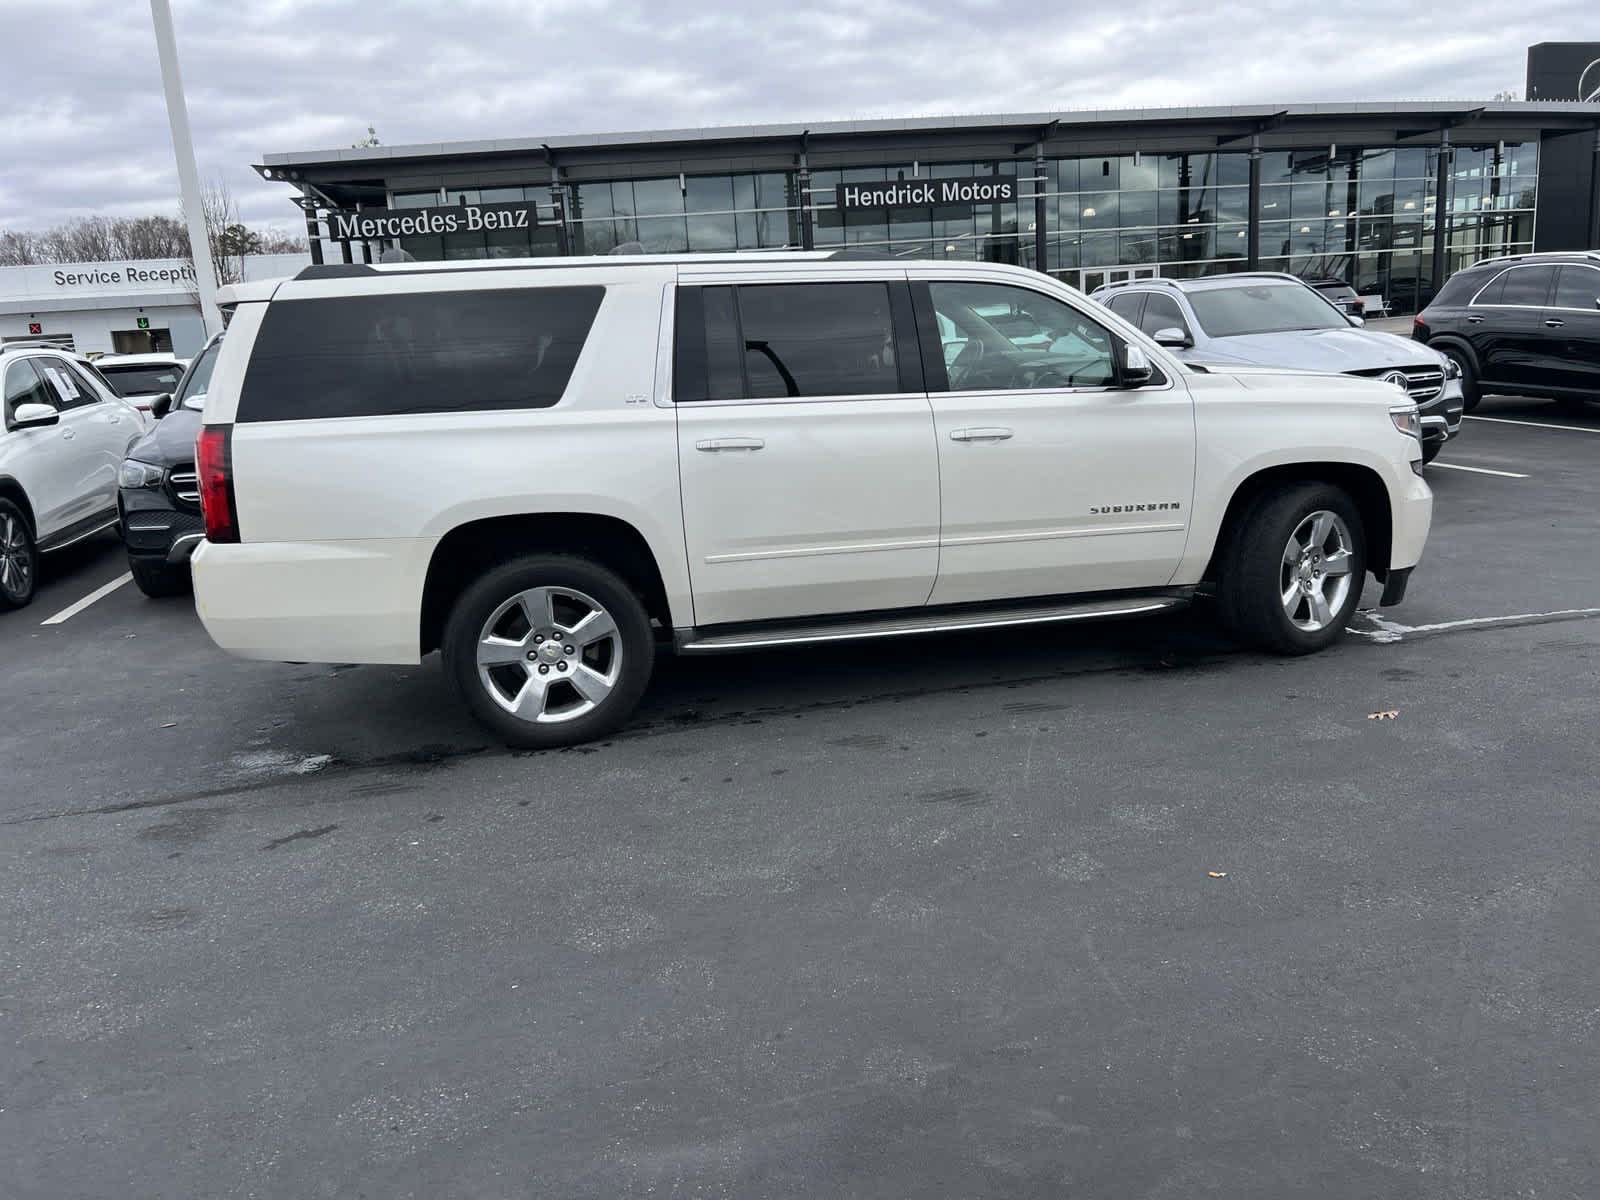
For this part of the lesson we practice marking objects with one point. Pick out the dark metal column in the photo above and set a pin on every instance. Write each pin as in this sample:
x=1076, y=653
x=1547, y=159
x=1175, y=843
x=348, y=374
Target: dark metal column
x=803, y=180
x=1594, y=193
x=1441, y=210
x=1041, y=241
x=313, y=234
x=1253, y=237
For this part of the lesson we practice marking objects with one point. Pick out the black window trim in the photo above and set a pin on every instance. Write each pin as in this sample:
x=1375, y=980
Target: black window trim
x=933, y=353
x=691, y=360
x=1549, y=291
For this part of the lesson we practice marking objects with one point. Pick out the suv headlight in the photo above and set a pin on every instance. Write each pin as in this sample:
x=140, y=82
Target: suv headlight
x=136, y=474
x=1407, y=420
x=1452, y=368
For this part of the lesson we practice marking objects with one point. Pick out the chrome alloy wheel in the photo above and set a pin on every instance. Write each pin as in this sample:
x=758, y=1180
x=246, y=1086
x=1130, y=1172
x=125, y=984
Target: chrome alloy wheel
x=1315, y=577
x=16, y=564
x=549, y=654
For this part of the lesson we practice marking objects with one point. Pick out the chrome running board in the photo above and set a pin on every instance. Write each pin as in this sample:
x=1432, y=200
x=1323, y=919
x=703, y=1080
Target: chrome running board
x=693, y=641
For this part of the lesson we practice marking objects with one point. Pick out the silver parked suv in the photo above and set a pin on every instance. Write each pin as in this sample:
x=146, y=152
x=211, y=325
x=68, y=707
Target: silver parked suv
x=1274, y=320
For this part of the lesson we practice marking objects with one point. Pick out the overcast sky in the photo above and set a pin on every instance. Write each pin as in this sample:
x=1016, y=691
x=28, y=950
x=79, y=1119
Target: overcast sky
x=86, y=132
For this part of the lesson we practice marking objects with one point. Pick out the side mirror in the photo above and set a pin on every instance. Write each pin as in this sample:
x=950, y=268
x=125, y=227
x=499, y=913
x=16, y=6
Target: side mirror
x=1172, y=338
x=34, y=416
x=161, y=405
x=1136, y=367
x=1358, y=322
x=196, y=403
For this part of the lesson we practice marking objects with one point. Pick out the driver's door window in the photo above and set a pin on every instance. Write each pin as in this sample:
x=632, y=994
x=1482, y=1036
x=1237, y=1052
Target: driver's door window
x=1007, y=339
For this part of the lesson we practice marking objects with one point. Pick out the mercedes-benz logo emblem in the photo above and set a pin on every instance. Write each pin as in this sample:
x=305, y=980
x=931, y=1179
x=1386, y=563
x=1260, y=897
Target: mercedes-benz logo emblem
x=1398, y=378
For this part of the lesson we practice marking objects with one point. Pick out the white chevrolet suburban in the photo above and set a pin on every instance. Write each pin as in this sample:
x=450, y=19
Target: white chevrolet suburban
x=550, y=469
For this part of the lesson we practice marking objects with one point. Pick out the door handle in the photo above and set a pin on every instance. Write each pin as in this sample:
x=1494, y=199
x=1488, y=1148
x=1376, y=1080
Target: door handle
x=1554, y=323
x=1474, y=320
x=980, y=433
x=732, y=443
x=68, y=434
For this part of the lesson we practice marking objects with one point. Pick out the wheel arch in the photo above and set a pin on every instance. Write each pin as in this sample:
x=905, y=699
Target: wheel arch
x=11, y=490
x=473, y=547
x=1455, y=341
x=1363, y=484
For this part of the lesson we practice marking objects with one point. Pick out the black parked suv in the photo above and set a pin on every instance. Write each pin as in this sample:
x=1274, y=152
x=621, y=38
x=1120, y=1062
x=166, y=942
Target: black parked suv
x=158, y=496
x=1524, y=325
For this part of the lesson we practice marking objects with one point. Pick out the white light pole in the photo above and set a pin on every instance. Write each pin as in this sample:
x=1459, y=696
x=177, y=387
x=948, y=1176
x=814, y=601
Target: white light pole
x=188, y=178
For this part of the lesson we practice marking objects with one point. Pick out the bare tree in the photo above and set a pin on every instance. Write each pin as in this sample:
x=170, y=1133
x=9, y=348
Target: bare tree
x=19, y=249
x=219, y=212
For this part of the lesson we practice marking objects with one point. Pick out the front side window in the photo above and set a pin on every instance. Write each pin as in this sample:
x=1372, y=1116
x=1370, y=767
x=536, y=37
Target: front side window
x=23, y=386
x=198, y=379
x=1163, y=313
x=420, y=352
x=1527, y=287
x=70, y=390
x=1126, y=305
x=1578, y=287
x=1239, y=309
x=1001, y=338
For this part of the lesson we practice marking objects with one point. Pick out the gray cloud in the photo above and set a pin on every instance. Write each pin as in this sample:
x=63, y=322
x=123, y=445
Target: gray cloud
x=86, y=130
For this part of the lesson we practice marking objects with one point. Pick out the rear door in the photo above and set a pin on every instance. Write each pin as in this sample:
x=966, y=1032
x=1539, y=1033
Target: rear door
x=1576, y=306
x=805, y=447
x=1505, y=323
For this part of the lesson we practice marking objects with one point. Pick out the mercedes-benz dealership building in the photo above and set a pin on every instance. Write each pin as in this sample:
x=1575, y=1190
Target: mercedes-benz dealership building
x=1391, y=197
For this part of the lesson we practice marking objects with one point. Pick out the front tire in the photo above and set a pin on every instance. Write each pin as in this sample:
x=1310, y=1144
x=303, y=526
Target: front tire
x=1293, y=569
x=549, y=650
x=159, y=580
x=19, y=557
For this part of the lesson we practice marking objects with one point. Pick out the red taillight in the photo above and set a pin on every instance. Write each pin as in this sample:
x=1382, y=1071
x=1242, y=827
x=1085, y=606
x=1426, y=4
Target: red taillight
x=213, y=462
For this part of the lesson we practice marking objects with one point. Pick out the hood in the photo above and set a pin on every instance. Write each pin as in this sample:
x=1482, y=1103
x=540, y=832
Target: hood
x=1337, y=350
x=171, y=442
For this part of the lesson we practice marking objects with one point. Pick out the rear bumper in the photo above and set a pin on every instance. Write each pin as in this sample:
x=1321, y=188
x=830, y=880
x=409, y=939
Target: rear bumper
x=344, y=602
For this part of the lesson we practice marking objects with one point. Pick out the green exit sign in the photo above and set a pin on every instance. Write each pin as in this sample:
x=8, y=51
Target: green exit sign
x=144, y=322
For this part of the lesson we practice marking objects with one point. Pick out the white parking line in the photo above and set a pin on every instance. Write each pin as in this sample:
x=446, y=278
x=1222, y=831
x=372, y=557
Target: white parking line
x=1536, y=424
x=1394, y=631
x=1475, y=470
x=100, y=593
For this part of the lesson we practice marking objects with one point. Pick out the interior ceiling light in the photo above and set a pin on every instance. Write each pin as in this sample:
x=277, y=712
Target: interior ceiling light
x=1088, y=212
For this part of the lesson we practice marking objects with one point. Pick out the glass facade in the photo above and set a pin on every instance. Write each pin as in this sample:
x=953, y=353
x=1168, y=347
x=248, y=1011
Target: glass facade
x=1362, y=214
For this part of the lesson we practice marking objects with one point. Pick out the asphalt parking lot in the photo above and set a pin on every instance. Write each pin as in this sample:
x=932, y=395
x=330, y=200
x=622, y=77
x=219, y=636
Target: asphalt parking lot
x=1109, y=911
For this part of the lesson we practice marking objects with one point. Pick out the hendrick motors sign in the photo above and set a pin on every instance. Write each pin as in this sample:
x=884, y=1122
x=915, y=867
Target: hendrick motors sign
x=927, y=193
x=419, y=222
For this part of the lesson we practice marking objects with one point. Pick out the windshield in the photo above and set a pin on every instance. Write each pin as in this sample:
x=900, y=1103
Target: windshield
x=144, y=379
x=1263, y=308
x=198, y=379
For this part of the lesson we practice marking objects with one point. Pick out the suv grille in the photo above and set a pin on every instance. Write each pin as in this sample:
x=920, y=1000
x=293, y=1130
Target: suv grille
x=185, y=484
x=1423, y=383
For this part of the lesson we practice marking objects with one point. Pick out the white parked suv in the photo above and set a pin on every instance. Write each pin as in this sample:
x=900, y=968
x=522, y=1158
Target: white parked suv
x=550, y=469
x=64, y=436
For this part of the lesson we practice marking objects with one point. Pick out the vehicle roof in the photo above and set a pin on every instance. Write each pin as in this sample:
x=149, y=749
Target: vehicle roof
x=1589, y=257
x=163, y=359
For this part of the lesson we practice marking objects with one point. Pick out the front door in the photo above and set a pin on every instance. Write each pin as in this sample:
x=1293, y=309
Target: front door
x=810, y=480
x=1053, y=479
x=102, y=430
x=1576, y=311
x=46, y=457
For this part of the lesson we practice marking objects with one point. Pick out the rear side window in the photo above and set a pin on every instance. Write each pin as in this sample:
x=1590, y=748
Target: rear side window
x=769, y=341
x=1528, y=286
x=1459, y=289
x=426, y=352
x=1126, y=305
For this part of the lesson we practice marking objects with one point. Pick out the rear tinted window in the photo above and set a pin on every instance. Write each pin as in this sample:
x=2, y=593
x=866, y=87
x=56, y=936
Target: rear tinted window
x=362, y=356
x=1526, y=285
x=143, y=379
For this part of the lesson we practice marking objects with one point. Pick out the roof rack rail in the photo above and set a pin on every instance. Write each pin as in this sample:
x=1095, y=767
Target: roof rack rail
x=335, y=271
x=33, y=344
x=1153, y=280
x=1592, y=255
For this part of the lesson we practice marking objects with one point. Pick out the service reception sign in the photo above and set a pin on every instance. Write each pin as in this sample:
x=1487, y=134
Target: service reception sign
x=928, y=193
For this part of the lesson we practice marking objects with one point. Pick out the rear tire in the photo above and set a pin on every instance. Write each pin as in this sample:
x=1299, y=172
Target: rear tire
x=159, y=580
x=1290, y=549
x=19, y=557
x=1469, y=382
x=549, y=650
